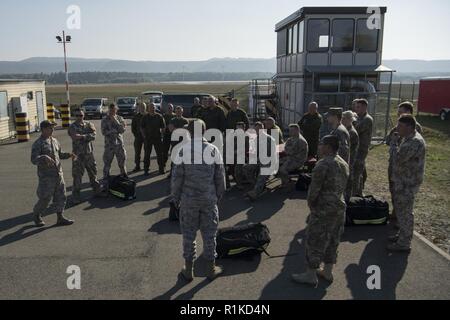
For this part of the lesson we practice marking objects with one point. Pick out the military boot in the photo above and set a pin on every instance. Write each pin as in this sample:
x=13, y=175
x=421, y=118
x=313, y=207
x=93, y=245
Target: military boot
x=76, y=198
x=326, y=272
x=38, y=222
x=252, y=195
x=136, y=169
x=188, y=270
x=213, y=271
x=309, y=277
x=63, y=221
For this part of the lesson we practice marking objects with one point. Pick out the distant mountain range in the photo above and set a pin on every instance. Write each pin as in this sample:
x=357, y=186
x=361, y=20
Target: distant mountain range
x=407, y=70
x=51, y=65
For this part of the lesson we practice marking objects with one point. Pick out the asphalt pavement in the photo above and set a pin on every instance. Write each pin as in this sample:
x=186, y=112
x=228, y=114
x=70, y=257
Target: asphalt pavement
x=130, y=250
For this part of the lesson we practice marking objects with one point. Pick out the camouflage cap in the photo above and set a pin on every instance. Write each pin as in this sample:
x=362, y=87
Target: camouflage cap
x=335, y=112
x=47, y=124
x=331, y=141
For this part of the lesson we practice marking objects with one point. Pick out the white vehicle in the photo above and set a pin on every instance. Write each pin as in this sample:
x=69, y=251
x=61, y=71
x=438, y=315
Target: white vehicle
x=95, y=107
x=154, y=97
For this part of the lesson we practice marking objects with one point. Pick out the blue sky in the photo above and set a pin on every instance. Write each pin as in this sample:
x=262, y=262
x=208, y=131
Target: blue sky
x=200, y=29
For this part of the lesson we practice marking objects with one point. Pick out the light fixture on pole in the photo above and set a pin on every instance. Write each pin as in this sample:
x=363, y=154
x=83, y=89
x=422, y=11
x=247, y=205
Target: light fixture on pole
x=64, y=40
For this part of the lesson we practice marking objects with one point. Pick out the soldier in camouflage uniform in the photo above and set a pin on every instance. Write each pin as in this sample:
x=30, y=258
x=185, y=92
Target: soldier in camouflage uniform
x=236, y=115
x=196, y=109
x=334, y=118
x=364, y=127
x=113, y=128
x=83, y=134
x=407, y=150
x=138, y=138
x=310, y=125
x=152, y=128
x=167, y=135
x=273, y=129
x=46, y=154
x=296, y=153
x=198, y=188
x=213, y=116
x=348, y=118
x=261, y=179
x=327, y=205
x=403, y=108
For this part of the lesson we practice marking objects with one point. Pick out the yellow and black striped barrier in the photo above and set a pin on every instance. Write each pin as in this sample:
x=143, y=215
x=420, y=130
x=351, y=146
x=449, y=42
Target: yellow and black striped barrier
x=65, y=115
x=50, y=112
x=22, y=127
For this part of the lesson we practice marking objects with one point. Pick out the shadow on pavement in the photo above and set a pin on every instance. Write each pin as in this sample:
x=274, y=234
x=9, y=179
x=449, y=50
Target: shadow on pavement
x=23, y=219
x=21, y=234
x=231, y=267
x=282, y=287
x=165, y=227
x=392, y=265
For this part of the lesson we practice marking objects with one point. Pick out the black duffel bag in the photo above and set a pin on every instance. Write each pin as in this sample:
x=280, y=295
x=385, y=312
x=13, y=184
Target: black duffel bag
x=366, y=210
x=243, y=241
x=122, y=188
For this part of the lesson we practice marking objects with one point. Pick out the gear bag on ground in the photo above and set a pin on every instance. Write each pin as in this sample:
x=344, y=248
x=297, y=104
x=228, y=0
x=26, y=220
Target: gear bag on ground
x=367, y=210
x=246, y=240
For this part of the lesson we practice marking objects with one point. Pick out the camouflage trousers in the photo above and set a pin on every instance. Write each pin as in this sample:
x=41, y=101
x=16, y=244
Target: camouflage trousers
x=85, y=162
x=359, y=177
x=349, y=189
x=246, y=173
x=166, y=145
x=204, y=218
x=403, y=202
x=261, y=181
x=108, y=156
x=50, y=188
x=138, y=145
x=323, y=235
x=286, y=166
x=148, y=147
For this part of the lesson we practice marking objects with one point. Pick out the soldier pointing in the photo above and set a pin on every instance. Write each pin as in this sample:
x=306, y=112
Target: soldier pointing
x=46, y=154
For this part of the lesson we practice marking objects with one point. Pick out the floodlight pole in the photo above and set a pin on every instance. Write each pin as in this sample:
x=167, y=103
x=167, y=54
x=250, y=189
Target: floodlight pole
x=64, y=41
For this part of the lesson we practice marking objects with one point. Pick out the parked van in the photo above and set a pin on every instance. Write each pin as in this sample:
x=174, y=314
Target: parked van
x=154, y=97
x=126, y=105
x=95, y=107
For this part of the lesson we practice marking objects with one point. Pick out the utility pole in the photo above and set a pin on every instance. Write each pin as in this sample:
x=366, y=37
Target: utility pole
x=64, y=40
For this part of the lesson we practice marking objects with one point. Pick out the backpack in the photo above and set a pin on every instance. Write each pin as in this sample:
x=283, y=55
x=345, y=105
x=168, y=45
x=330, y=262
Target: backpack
x=303, y=182
x=243, y=241
x=366, y=210
x=122, y=188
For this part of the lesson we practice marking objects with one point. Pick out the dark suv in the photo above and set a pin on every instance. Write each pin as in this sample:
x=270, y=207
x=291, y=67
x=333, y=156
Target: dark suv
x=127, y=106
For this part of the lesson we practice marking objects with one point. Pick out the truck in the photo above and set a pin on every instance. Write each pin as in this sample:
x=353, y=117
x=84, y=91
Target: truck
x=434, y=96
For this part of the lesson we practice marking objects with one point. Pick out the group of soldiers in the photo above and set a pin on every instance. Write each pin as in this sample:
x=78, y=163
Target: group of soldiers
x=197, y=189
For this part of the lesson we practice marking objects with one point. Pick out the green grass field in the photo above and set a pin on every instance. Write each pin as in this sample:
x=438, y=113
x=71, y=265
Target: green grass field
x=433, y=203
